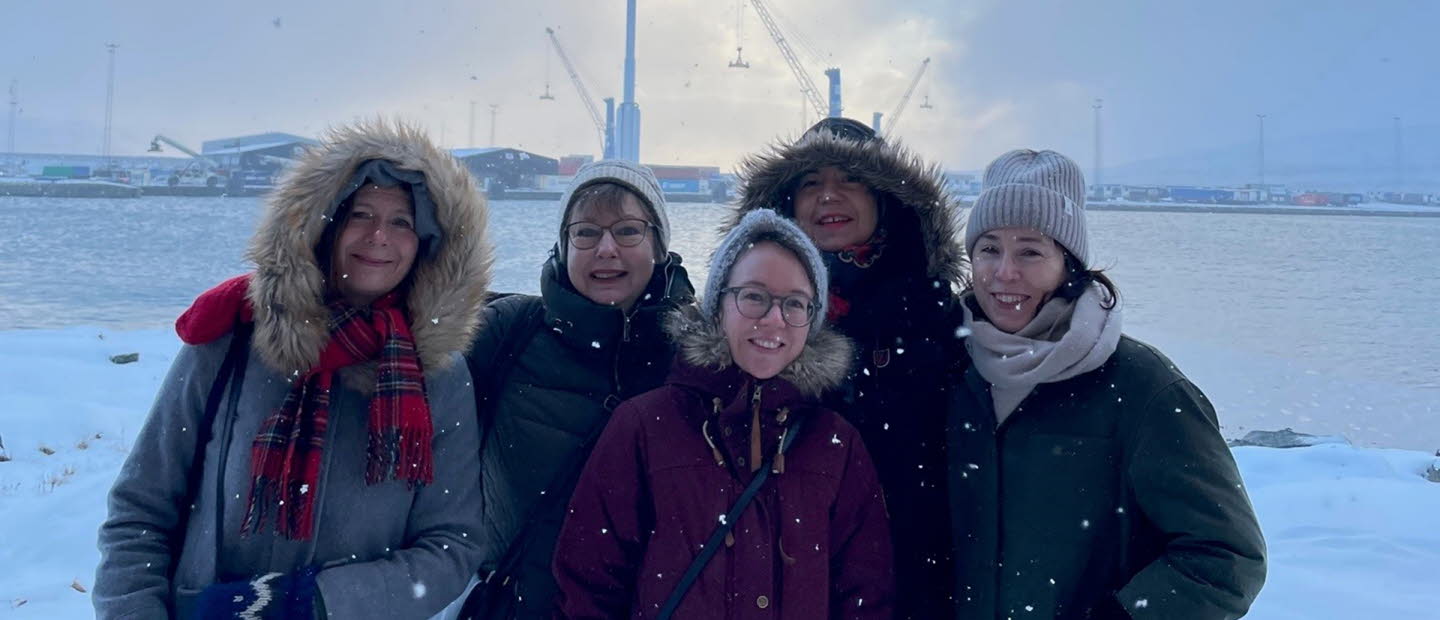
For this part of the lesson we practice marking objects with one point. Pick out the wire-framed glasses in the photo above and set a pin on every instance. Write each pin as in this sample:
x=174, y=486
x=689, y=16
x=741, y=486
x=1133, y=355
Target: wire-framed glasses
x=626, y=232
x=754, y=303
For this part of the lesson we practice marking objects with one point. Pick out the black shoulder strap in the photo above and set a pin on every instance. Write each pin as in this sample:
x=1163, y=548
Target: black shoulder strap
x=234, y=364
x=511, y=344
x=714, y=543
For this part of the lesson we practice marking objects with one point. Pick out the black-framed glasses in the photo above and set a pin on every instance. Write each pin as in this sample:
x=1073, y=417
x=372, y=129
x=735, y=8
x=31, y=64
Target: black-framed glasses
x=754, y=303
x=626, y=232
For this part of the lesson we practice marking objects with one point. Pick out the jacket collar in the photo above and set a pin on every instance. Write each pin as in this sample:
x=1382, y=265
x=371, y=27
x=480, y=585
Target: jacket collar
x=586, y=325
x=708, y=366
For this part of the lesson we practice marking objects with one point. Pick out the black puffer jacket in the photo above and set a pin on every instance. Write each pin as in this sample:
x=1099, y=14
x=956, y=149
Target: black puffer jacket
x=902, y=316
x=564, y=382
x=1110, y=495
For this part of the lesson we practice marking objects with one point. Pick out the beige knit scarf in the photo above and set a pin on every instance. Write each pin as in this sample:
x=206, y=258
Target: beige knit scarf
x=1065, y=339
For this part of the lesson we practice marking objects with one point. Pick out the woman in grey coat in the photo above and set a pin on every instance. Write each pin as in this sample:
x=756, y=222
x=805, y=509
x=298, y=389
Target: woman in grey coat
x=332, y=467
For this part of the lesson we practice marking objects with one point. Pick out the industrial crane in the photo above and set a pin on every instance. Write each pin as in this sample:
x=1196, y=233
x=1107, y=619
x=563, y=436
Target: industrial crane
x=904, y=99
x=600, y=127
x=547, y=96
x=208, y=168
x=807, y=86
x=739, y=62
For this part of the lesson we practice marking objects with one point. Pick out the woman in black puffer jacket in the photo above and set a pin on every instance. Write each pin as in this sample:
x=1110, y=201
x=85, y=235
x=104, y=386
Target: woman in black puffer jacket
x=549, y=370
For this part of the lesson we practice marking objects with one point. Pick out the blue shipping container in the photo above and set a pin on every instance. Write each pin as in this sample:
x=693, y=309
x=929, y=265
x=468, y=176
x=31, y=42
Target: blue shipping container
x=1199, y=194
x=680, y=185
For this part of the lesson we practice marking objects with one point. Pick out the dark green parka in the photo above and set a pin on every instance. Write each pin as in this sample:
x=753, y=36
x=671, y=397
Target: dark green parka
x=1107, y=493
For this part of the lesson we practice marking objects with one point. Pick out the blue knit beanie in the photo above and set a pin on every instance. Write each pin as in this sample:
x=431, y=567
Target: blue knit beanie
x=765, y=225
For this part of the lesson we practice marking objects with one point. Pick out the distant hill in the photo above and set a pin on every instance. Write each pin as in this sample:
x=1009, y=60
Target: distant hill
x=1357, y=160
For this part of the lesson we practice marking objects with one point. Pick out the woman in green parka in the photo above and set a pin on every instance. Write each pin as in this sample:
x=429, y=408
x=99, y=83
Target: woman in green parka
x=1087, y=475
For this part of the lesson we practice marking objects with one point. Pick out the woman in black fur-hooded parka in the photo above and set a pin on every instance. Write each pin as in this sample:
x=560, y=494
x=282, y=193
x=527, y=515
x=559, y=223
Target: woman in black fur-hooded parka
x=885, y=224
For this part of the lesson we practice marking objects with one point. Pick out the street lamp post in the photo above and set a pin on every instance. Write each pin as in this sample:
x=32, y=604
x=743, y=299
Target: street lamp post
x=1262, y=149
x=1100, y=192
x=1399, y=157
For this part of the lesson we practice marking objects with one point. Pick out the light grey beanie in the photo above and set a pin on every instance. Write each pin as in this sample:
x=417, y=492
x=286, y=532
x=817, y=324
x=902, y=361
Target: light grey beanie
x=765, y=225
x=634, y=177
x=1043, y=190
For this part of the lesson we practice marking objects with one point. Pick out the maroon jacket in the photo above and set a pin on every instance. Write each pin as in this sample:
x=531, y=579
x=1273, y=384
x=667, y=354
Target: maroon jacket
x=815, y=542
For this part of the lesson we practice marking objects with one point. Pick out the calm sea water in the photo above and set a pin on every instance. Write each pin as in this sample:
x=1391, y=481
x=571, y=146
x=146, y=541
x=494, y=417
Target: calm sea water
x=1353, y=296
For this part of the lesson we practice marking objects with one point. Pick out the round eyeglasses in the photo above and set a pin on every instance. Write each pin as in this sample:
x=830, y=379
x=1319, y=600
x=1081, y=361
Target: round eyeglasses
x=586, y=235
x=754, y=303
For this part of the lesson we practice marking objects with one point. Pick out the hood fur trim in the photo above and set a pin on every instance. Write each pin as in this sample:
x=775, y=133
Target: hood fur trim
x=821, y=367
x=885, y=166
x=288, y=291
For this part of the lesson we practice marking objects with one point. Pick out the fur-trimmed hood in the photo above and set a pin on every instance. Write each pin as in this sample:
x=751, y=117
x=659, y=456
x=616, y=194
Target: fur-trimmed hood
x=288, y=291
x=821, y=367
x=768, y=179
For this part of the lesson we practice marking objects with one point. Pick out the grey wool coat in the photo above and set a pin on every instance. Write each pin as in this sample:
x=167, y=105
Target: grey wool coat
x=384, y=550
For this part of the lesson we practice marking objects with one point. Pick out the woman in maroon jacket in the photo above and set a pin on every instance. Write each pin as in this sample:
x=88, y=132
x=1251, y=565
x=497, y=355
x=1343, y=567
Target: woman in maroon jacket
x=815, y=541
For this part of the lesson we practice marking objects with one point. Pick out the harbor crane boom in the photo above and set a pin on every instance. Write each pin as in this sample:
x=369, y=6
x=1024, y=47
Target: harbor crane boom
x=580, y=86
x=900, y=107
x=204, y=161
x=807, y=86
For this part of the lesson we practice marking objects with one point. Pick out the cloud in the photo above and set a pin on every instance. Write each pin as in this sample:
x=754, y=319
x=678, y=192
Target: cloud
x=1003, y=74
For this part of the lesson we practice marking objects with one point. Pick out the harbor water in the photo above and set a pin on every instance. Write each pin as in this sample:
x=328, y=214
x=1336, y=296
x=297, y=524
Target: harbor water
x=1349, y=297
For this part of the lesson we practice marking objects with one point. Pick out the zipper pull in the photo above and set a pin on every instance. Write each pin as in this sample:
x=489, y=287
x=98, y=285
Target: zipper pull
x=755, y=430
x=625, y=330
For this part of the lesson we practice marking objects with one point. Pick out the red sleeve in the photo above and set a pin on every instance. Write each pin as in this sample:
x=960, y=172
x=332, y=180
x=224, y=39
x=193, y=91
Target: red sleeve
x=599, y=550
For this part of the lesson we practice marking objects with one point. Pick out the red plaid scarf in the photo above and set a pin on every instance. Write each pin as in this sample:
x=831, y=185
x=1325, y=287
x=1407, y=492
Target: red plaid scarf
x=286, y=454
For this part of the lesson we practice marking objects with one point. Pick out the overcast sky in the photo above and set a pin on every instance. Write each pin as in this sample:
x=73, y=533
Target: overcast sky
x=1175, y=76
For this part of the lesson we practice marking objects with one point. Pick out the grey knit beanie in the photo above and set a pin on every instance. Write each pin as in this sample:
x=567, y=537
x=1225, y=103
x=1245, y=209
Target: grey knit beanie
x=1043, y=190
x=765, y=225
x=634, y=177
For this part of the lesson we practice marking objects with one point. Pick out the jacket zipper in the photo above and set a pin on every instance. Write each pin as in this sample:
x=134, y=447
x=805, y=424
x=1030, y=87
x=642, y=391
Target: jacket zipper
x=615, y=364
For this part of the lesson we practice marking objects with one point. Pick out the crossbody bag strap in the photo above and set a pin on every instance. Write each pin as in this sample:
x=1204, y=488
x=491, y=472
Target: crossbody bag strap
x=233, y=365
x=712, y=544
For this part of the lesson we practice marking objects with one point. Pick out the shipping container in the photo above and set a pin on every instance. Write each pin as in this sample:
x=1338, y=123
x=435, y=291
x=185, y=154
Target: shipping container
x=685, y=172
x=680, y=185
x=1247, y=196
x=1200, y=195
x=570, y=164
x=1320, y=199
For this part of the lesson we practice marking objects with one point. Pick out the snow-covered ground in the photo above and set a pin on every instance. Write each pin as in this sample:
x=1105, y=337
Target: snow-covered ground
x=1353, y=532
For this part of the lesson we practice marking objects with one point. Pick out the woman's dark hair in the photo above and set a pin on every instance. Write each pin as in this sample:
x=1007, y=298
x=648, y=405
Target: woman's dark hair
x=1078, y=278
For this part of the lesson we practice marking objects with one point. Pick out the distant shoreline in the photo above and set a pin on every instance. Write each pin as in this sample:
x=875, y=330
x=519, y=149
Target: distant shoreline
x=1134, y=207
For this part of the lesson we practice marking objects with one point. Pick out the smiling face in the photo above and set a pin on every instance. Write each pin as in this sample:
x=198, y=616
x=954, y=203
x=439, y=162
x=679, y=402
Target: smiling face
x=375, y=246
x=610, y=273
x=835, y=209
x=1016, y=271
x=765, y=346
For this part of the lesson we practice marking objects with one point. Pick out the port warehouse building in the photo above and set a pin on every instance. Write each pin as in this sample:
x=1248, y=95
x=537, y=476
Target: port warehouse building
x=265, y=154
